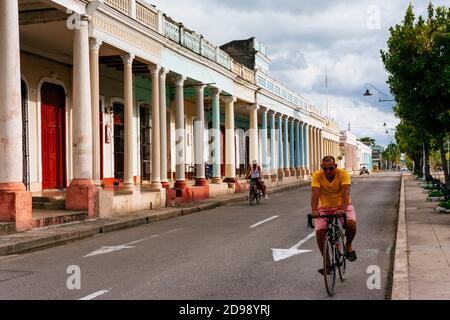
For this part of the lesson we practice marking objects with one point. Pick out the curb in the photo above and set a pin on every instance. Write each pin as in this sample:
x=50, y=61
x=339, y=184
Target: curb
x=44, y=242
x=400, y=281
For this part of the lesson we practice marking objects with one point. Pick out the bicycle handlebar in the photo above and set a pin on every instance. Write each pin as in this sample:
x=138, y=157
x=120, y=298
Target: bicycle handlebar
x=327, y=216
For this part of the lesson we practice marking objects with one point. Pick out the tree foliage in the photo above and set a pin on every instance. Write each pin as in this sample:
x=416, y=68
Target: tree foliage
x=418, y=63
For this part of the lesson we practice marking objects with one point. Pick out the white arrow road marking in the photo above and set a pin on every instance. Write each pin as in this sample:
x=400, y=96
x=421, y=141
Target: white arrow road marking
x=281, y=254
x=109, y=249
x=264, y=221
x=94, y=295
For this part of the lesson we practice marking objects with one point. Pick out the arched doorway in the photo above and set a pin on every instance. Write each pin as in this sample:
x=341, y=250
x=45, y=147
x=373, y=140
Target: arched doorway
x=145, y=117
x=53, y=136
x=25, y=136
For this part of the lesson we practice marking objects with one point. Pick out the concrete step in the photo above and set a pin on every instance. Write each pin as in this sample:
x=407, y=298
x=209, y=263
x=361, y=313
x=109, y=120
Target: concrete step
x=7, y=228
x=50, y=205
x=46, y=218
x=49, y=198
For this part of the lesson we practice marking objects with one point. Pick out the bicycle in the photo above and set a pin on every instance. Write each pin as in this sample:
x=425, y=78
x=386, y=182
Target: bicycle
x=255, y=193
x=333, y=250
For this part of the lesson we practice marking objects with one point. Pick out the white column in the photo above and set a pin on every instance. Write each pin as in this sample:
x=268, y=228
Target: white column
x=156, y=141
x=254, y=141
x=163, y=125
x=128, y=121
x=230, y=152
x=94, y=46
x=10, y=96
x=180, y=135
x=199, y=134
x=82, y=112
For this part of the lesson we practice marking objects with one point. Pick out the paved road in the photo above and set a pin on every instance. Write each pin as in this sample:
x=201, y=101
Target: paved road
x=219, y=254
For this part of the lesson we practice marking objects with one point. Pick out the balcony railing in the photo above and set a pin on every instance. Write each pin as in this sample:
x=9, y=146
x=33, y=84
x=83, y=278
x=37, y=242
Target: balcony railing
x=146, y=16
x=120, y=5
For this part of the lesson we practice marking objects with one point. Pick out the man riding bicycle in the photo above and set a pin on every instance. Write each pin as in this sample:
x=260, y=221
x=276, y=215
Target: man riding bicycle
x=254, y=174
x=331, y=195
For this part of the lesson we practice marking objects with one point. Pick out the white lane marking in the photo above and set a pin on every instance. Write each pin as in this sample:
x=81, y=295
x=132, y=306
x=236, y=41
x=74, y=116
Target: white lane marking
x=109, y=249
x=264, y=221
x=94, y=295
x=282, y=254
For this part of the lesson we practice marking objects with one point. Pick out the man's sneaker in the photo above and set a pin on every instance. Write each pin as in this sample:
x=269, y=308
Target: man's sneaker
x=351, y=256
x=266, y=197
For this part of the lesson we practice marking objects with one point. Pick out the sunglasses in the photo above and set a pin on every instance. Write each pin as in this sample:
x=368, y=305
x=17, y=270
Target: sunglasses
x=328, y=168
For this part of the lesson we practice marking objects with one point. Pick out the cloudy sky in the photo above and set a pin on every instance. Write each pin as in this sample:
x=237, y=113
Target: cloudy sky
x=304, y=38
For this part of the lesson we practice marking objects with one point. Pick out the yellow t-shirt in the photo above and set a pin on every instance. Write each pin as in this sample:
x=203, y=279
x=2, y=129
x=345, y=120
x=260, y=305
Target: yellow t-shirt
x=331, y=192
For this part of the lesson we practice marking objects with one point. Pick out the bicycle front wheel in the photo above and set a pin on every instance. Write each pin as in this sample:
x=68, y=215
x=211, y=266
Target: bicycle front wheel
x=251, y=197
x=329, y=269
x=340, y=256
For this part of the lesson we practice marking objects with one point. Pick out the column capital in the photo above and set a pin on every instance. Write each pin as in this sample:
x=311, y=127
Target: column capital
x=154, y=69
x=199, y=88
x=264, y=109
x=95, y=44
x=215, y=91
x=285, y=117
x=229, y=99
x=179, y=81
x=127, y=58
x=279, y=115
x=163, y=73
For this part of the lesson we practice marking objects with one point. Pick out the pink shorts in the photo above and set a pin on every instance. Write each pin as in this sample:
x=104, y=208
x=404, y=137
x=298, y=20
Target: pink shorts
x=321, y=223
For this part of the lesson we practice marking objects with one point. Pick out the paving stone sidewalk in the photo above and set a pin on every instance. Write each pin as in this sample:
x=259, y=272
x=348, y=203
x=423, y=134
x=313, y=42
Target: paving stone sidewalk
x=428, y=238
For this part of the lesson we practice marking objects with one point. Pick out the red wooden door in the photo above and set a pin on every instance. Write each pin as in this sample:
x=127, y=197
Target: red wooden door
x=53, y=136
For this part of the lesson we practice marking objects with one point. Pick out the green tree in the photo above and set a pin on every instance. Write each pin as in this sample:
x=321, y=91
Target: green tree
x=418, y=63
x=392, y=154
x=368, y=141
x=411, y=141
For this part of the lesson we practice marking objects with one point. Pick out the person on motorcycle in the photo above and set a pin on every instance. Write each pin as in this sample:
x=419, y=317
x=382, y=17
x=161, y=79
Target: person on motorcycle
x=254, y=174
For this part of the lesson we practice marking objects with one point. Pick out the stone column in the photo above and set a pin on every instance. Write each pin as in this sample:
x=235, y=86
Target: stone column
x=94, y=46
x=15, y=201
x=156, y=129
x=163, y=126
x=180, y=135
x=280, y=146
x=311, y=150
x=128, y=182
x=199, y=134
x=273, y=149
x=321, y=142
x=230, y=152
x=292, y=147
x=253, y=138
x=306, y=149
x=216, y=136
x=265, y=160
x=80, y=195
x=298, y=159
x=286, y=146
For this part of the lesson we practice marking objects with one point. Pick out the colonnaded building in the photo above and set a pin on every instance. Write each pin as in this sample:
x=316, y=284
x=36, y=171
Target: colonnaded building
x=110, y=107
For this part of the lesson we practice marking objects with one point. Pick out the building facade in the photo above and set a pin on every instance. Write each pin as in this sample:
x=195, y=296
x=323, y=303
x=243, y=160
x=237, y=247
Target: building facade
x=119, y=108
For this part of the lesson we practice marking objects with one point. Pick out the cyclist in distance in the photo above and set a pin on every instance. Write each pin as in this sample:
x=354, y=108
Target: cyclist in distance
x=254, y=174
x=331, y=195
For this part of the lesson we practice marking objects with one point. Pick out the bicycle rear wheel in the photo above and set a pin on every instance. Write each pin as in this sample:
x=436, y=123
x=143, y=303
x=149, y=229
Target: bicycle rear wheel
x=329, y=266
x=251, y=197
x=340, y=256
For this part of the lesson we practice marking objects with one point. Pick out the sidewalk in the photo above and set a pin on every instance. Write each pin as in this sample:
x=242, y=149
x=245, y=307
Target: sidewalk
x=426, y=255
x=55, y=235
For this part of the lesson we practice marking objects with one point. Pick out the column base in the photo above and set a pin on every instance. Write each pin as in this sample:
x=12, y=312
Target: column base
x=156, y=186
x=307, y=171
x=280, y=174
x=216, y=180
x=201, y=182
x=287, y=173
x=80, y=195
x=298, y=172
x=16, y=206
x=293, y=172
x=165, y=184
x=302, y=172
x=229, y=180
x=180, y=184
